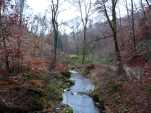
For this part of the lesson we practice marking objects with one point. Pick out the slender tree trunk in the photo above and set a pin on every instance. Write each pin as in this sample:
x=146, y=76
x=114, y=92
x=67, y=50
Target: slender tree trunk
x=118, y=54
x=84, y=45
x=133, y=25
x=54, y=15
x=55, y=44
x=113, y=26
x=117, y=49
x=84, y=19
x=129, y=20
x=148, y=3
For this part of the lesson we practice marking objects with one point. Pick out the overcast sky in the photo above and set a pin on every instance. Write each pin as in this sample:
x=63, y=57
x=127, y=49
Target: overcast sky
x=39, y=6
x=69, y=11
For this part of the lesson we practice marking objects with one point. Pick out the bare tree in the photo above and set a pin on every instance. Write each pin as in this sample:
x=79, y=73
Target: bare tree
x=148, y=2
x=85, y=10
x=102, y=5
x=129, y=19
x=133, y=25
x=74, y=33
x=54, y=21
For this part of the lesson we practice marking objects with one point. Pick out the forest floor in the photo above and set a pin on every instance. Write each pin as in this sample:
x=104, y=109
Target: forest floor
x=35, y=90
x=128, y=96
x=38, y=89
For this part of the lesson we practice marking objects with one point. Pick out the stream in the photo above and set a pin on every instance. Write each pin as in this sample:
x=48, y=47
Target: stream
x=77, y=96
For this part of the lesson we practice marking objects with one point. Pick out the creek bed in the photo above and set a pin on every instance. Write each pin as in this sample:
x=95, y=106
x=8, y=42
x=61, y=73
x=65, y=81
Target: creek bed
x=78, y=95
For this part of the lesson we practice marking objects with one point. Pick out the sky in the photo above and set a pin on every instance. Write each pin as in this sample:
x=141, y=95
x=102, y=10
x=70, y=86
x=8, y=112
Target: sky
x=40, y=6
x=68, y=11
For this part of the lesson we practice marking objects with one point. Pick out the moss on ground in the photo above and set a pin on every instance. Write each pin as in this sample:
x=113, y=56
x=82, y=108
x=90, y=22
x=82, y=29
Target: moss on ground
x=50, y=95
x=57, y=84
x=67, y=110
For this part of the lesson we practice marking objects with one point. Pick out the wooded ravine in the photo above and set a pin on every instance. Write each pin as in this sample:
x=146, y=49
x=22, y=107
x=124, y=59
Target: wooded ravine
x=75, y=56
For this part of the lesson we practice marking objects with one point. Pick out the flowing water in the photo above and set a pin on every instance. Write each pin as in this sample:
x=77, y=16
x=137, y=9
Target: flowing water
x=77, y=96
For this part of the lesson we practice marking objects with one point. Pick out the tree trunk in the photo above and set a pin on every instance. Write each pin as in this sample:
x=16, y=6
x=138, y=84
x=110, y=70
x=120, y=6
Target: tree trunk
x=148, y=3
x=84, y=45
x=117, y=49
x=118, y=54
x=129, y=20
x=55, y=45
x=133, y=25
